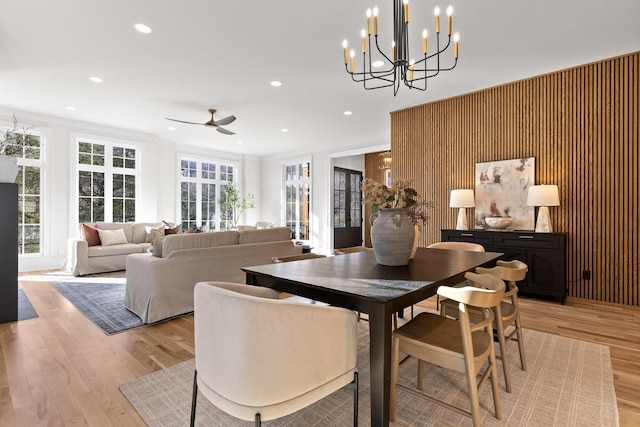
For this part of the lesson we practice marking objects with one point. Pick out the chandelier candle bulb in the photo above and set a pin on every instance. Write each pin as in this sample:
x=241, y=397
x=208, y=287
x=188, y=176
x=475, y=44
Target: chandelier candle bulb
x=405, y=4
x=364, y=41
x=436, y=12
x=369, y=21
x=450, y=18
x=411, y=69
x=375, y=20
x=353, y=61
x=345, y=46
x=424, y=41
x=456, y=39
x=393, y=51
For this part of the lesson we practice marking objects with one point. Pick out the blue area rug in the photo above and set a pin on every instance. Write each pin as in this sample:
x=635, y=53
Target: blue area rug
x=25, y=309
x=102, y=302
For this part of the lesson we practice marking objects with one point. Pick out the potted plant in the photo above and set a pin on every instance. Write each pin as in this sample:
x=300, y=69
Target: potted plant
x=11, y=141
x=232, y=205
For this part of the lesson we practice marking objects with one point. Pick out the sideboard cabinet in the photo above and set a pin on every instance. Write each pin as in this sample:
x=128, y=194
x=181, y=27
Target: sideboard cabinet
x=544, y=253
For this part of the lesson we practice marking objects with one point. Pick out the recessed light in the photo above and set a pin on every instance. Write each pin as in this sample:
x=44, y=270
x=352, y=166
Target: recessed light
x=70, y=108
x=276, y=83
x=377, y=64
x=238, y=142
x=96, y=79
x=141, y=28
x=284, y=130
x=348, y=113
x=171, y=128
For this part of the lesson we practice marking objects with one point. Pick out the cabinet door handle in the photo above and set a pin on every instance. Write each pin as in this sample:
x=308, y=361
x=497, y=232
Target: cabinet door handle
x=467, y=234
x=525, y=237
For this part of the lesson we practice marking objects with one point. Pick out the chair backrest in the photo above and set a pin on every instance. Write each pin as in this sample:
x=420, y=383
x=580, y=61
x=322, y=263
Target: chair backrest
x=509, y=271
x=300, y=257
x=350, y=250
x=254, y=350
x=457, y=246
x=487, y=292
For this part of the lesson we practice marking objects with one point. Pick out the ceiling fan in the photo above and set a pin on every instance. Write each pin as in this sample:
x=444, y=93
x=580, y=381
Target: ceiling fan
x=215, y=123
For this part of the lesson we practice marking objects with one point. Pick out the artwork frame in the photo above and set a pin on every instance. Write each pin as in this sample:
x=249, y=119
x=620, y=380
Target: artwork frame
x=501, y=190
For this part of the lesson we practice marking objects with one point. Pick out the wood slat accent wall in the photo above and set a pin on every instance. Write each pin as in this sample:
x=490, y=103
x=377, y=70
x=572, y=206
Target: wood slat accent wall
x=581, y=125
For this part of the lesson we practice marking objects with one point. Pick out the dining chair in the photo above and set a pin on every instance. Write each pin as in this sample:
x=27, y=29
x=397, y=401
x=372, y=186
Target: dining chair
x=350, y=250
x=510, y=272
x=453, y=344
x=455, y=246
x=258, y=357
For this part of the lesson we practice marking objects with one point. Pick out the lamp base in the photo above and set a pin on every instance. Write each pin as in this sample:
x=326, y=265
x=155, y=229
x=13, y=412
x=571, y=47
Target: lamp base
x=462, y=223
x=543, y=224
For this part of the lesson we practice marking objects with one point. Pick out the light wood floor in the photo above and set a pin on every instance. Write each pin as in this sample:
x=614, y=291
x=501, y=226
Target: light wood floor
x=59, y=369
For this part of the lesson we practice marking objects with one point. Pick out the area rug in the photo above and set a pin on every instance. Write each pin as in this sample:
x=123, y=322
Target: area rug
x=568, y=383
x=101, y=300
x=25, y=309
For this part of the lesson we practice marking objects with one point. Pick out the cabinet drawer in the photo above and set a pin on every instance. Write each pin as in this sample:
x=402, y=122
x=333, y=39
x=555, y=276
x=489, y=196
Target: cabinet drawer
x=530, y=240
x=484, y=239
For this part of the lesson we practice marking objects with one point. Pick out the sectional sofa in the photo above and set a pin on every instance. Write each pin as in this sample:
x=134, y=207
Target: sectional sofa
x=160, y=285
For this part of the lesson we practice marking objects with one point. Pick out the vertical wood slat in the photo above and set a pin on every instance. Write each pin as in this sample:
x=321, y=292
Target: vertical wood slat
x=581, y=125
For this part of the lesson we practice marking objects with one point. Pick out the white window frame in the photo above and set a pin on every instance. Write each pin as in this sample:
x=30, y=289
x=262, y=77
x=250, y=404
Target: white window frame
x=108, y=169
x=45, y=194
x=199, y=181
x=309, y=181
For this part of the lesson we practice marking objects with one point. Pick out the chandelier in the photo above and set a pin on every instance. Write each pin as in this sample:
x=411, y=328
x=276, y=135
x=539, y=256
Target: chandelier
x=403, y=68
x=384, y=160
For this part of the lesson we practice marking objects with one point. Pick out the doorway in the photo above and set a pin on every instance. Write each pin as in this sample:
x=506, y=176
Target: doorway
x=347, y=208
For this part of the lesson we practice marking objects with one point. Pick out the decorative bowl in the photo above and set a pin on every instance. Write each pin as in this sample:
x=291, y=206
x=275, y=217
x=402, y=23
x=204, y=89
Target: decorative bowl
x=498, y=221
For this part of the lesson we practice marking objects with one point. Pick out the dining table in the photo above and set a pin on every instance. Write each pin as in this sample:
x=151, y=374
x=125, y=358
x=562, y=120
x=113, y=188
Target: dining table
x=357, y=282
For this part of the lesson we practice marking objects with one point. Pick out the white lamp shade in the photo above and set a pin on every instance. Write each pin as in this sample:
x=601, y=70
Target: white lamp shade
x=462, y=199
x=543, y=195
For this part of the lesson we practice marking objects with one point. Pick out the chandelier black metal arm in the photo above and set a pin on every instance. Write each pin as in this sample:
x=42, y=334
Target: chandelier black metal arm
x=413, y=74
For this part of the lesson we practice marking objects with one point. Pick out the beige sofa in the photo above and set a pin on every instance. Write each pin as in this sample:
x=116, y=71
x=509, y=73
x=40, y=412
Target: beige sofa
x=162, y=287
x=84, y=259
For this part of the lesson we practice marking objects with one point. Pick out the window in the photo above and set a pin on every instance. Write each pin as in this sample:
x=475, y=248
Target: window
x=28, y=147
x=297, y=182
x=107, y=177
x=201, y=187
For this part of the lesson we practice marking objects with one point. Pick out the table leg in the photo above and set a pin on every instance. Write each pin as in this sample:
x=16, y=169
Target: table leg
x=380, y=363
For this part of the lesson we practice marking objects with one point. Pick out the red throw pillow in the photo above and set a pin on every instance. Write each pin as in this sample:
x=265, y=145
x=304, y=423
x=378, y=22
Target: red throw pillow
x=91, y=235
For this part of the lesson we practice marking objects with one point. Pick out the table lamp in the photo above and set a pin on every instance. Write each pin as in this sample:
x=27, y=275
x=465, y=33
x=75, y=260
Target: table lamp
x=462, y=199
x=543, y=196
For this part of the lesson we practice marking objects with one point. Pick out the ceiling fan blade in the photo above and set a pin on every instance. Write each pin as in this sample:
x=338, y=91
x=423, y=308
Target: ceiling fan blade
x=225, y=121
x=226, y=132
x=182, y=121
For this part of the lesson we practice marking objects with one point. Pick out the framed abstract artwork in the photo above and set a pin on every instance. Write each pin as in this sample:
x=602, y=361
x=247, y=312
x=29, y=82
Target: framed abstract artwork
x=501, y=190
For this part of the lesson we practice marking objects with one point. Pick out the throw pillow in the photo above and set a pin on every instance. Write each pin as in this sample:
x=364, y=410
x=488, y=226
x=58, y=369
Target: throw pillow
x=173, y=230
x=91, y=235
x=112, y=237
x=148, y=229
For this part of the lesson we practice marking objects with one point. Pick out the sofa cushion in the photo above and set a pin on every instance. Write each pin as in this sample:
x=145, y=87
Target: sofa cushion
x=112, y=237
x=148, y=232
x=110, y=250
x=157, y=241
x=175, y=242
x=127, y=227
x=91, y=235
x=264, y=235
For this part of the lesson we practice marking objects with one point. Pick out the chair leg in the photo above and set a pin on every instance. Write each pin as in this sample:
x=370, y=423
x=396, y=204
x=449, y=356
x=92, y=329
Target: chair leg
x=494, y=384
x=194, y=398
x=420, y=374
x=355, y=400
x=258, y=422
x=503, y=353
x=523, y=363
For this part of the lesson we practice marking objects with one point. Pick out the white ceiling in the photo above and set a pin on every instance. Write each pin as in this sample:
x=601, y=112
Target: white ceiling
x=223, y=54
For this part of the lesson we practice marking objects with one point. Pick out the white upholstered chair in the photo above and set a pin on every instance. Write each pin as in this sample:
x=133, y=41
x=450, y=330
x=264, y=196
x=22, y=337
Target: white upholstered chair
x=510, y=272
x=259, y=357
x=453, y=344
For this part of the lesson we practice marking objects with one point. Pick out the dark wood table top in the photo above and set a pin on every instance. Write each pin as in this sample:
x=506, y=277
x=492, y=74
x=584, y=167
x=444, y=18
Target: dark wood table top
x=359, y=275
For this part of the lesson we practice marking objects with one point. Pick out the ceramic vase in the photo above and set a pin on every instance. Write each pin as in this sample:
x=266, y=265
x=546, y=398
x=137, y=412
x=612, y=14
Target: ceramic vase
x=392, y=236
x=8, y=169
